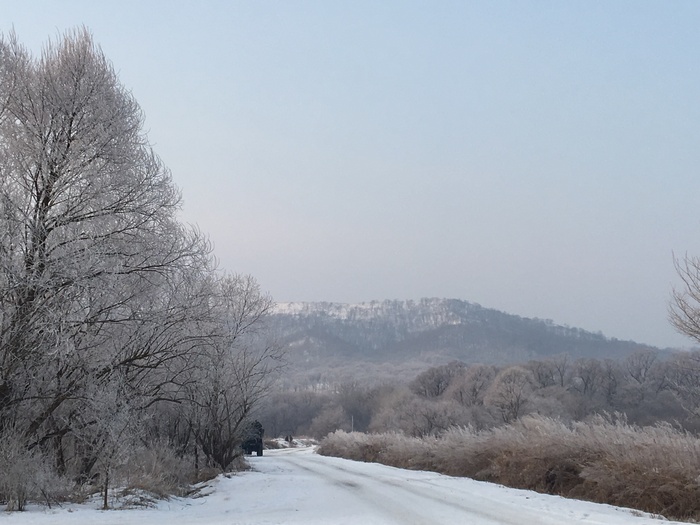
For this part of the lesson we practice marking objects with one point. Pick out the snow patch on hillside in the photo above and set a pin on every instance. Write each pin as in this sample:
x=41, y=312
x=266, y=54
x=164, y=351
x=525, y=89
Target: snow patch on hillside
x=427, y=312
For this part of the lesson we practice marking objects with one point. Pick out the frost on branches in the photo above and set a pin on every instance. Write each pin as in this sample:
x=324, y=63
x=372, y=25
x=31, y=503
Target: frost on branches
x=114, y=325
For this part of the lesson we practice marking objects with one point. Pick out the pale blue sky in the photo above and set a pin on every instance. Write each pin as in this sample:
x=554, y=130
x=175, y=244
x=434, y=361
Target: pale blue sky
x=540, y=158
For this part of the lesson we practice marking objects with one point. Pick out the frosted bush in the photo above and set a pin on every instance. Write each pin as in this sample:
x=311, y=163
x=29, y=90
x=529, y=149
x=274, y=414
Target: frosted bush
x=158, y=470
x=24, y=475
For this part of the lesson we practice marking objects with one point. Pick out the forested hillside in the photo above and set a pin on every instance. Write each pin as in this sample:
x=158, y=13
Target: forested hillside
x=429, y=331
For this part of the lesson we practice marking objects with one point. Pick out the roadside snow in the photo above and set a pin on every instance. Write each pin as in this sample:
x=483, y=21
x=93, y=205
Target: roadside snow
x=297, y=486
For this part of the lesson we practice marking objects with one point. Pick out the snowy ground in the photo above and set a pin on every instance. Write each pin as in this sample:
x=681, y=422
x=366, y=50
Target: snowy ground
x=297, y=486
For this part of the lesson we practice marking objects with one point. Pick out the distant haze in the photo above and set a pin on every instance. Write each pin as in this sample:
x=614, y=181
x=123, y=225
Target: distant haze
x=539, y=158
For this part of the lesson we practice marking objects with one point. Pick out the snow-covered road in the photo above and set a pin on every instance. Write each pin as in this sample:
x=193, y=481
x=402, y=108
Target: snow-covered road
x=297, y=486
x=346, y=492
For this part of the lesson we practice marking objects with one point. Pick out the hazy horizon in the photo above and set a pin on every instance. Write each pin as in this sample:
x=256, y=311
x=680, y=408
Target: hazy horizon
x=538, y=158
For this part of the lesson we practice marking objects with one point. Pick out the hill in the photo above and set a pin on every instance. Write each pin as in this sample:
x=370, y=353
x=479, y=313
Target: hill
x=411, y=334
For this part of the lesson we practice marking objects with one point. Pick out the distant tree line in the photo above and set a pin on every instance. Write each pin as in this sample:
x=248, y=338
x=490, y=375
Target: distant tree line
x=644, y=386
x=118, y=336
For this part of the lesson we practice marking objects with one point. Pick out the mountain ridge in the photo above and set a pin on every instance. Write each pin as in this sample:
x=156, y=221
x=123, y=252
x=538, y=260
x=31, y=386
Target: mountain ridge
x=431, y=329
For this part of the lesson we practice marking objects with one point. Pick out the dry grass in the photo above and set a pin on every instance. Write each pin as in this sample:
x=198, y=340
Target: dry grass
x=156, y=470
x=25, y=475
x=654, y=469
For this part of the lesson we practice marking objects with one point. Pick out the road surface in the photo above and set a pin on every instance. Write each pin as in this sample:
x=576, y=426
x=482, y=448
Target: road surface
x=335, y=491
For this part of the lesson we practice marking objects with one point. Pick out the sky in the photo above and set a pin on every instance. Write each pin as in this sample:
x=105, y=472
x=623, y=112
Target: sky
x=536, y=157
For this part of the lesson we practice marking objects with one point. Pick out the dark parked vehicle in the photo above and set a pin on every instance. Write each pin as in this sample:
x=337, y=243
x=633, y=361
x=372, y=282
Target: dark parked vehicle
x=254, y=441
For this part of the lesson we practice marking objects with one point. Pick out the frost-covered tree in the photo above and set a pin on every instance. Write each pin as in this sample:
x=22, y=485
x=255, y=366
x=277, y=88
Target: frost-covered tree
x=510, y=392
x=684, y=313
x=102, y=290
x=470, y=386
x=435, y=381
x=684, y=309
x=588, y=377
x=90, y=238
x=233, y=372
x=683, y=376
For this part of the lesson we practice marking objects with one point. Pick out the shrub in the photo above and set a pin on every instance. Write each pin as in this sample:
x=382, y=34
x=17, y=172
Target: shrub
x=24, y=474
x=158, y=470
